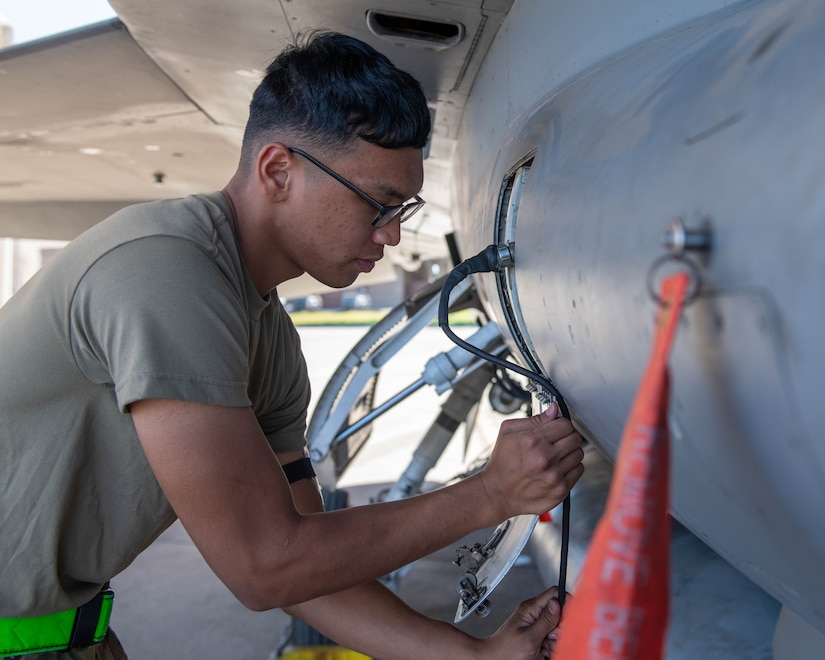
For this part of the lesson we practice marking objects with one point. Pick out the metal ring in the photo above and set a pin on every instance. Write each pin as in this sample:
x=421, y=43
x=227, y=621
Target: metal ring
x=693, y=271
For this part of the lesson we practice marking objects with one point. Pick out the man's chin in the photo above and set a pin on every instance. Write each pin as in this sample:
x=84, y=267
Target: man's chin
x=338, y=282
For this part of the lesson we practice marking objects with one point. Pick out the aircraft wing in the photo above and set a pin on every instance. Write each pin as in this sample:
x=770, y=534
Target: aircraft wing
x=152, y=104
x=89, y=123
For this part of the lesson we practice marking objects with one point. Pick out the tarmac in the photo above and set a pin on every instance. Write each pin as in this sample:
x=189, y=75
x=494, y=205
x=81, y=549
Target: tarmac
x=169, y=604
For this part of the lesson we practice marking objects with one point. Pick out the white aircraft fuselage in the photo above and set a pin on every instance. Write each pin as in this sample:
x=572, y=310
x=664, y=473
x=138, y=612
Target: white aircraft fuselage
x=715, y=121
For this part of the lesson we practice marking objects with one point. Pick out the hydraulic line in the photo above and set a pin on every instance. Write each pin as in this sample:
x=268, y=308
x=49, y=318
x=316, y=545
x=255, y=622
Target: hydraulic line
x=494, y=259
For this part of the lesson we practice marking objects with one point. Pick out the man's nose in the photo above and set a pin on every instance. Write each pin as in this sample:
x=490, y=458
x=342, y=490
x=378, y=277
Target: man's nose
x=389, y=234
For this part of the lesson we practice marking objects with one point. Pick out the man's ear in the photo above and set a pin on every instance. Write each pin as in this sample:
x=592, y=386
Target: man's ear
x=275, y=171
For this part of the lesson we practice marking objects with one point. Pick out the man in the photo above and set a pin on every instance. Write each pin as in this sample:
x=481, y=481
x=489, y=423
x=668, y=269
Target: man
x=149, y=372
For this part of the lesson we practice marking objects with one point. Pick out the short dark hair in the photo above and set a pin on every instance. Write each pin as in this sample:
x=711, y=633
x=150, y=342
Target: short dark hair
x=327, y=89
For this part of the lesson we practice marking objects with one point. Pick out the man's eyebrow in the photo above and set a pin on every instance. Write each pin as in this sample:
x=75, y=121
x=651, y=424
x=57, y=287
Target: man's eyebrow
x=390, y=192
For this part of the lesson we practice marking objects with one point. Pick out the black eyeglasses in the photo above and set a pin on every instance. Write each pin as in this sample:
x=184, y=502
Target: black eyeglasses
x=385, y=213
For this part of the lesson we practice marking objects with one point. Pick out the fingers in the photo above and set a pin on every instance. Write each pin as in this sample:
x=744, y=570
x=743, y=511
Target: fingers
x=568, y=455
x=527, y=633
x=546, y=424
x=548, y=609
x=540, y=616
x=548, y=645
x=561, y=469
x=535, y=463
x=564, y=459
x=571, y=464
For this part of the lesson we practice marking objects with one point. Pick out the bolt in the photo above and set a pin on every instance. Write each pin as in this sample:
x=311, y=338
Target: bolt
x=677, y=239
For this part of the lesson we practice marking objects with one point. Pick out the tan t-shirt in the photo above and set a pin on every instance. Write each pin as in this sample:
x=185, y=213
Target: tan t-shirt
x=154, y=302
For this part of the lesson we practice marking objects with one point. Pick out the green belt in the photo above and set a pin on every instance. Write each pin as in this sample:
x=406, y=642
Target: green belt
x=83, y=626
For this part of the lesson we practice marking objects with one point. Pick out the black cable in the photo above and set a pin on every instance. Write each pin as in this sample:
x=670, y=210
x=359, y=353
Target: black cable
x=494, y=259
x=510, y=386
x=452, y=246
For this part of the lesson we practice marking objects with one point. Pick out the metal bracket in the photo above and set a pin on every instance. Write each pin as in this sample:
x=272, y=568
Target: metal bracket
x=472, y=598
x=471, y=595
x=474, y=556
x=488, y=563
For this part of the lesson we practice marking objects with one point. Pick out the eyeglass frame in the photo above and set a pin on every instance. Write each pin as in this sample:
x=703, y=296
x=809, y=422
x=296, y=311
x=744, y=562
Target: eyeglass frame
x=386, y=214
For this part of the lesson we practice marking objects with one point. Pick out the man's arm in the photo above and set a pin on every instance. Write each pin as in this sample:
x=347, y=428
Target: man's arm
x=229, y=491
x=371, y=619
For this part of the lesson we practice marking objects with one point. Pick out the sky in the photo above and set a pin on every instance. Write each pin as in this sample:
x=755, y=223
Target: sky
x=33, y=19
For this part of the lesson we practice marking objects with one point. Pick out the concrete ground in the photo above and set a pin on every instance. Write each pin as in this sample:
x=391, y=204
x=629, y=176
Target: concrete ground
x=169, y=604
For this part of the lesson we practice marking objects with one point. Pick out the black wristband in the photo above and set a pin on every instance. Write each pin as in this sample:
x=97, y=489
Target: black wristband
x=297, y=470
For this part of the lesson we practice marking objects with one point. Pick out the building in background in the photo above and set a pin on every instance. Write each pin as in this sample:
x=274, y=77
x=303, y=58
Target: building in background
x=6, y=32
x=20, y=258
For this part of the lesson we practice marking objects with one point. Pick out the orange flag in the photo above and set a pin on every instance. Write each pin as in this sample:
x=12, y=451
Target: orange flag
x=621, y=603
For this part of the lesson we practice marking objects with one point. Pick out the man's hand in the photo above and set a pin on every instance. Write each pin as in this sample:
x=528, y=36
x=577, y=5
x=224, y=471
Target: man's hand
x=535, y=463
x=528, y=633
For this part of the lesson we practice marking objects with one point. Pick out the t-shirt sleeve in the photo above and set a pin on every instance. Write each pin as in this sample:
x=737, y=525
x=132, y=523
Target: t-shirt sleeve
x=279, y=383
x=157, y=318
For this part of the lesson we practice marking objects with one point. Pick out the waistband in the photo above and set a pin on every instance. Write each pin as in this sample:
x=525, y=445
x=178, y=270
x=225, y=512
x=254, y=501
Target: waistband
x=82, y=626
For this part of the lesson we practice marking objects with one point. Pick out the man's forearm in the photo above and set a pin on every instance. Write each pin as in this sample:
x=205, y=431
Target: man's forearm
x=372, y=620
x=372, y=541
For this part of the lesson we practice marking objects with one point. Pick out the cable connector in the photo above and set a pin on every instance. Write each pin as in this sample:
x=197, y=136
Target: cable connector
x=506, y=256
x=493, y=258
x=544, y=396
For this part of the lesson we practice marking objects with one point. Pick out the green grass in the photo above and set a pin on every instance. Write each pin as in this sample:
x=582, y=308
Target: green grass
x=365, y=317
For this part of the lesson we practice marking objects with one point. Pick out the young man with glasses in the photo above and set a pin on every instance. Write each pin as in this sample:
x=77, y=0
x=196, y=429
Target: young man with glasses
x=171, y=385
